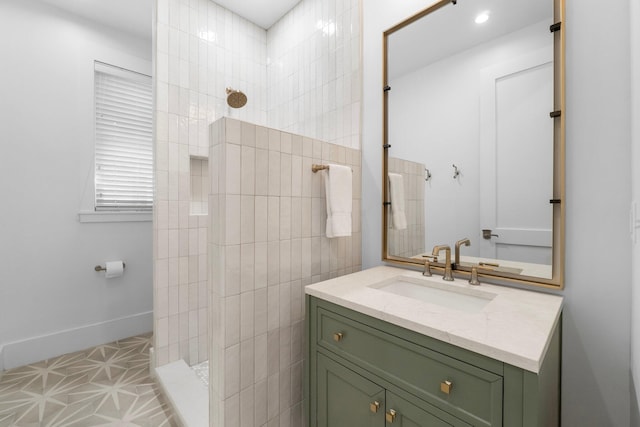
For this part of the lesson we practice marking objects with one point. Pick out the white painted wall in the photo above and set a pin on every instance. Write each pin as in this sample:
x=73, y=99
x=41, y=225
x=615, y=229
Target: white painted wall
x=635, y=192
x=51, y=299
x=596, y=328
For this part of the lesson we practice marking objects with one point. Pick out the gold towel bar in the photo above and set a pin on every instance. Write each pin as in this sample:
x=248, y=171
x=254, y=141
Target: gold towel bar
x=316, y=168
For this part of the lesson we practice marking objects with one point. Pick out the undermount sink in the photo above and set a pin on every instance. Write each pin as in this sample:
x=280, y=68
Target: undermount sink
x=433, y=292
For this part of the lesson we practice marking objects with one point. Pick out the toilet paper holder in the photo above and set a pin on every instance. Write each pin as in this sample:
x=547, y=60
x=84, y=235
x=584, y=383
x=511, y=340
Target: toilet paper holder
x=101, y=268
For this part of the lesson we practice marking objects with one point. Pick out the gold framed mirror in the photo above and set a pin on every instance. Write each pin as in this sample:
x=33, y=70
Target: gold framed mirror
x=474, y=139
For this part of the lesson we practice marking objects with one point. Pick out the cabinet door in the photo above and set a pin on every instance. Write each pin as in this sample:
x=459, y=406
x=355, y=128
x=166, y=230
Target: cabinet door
x=402, y=413
x=346, y=399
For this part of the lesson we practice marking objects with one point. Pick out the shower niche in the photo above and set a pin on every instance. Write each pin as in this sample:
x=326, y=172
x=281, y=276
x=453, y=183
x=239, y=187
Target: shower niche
x=199, y=185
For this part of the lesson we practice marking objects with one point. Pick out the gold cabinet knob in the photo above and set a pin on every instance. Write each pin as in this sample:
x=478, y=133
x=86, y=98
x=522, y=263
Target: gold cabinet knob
x=337, y=336
x=446, y=387
x=374, y=406
x=391, y=416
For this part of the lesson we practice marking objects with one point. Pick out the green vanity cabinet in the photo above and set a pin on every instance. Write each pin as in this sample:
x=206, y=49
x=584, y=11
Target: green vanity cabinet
x=412, y=414
x=362, y=371
x=349, y=399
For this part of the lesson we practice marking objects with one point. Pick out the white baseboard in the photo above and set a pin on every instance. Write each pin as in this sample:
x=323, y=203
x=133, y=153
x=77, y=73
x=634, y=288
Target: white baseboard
x=23, y=352
x=1, y=361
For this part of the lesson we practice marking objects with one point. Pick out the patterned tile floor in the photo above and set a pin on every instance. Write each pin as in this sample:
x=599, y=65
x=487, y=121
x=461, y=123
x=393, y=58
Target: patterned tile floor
x=108, y=385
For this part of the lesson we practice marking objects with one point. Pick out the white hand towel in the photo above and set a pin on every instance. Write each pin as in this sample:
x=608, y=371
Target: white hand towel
x=396, y=190
x=338, y=189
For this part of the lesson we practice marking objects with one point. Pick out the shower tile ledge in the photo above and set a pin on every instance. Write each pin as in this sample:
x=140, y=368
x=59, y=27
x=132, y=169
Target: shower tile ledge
x=187, y=394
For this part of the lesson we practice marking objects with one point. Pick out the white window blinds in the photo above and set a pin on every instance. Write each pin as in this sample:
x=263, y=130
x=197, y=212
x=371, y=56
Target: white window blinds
x=123, y=140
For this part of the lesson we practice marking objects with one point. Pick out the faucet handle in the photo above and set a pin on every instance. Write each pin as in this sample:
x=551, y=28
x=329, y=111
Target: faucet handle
x=427, y=268
x=473, y=279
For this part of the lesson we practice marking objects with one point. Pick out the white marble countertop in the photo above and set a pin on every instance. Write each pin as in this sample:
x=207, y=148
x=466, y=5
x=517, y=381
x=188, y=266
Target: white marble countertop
x=515, y=326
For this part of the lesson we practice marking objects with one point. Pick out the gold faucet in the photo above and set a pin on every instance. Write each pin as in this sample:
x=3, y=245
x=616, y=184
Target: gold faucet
x=459, y=243
x=447, y=262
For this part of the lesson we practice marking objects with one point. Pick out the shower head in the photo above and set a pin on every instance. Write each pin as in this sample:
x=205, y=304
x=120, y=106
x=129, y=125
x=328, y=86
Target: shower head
x=235, y=98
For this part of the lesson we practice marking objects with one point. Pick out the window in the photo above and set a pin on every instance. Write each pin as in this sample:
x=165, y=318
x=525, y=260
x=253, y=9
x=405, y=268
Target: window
x=123, y=140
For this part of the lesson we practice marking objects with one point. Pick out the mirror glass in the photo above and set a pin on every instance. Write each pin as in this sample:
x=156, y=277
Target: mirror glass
x=471, y=141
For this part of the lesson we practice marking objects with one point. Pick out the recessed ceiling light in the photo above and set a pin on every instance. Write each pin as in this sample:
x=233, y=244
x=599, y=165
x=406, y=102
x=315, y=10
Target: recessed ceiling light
x=482, y=17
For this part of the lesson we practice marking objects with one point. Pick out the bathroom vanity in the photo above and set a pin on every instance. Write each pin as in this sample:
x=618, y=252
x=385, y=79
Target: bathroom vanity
x=389, y=346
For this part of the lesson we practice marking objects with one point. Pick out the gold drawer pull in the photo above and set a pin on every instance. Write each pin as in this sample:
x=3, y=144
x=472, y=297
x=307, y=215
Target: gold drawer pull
x=391, y=415
x=446, y=387
x=337, y=336
x=374, y=406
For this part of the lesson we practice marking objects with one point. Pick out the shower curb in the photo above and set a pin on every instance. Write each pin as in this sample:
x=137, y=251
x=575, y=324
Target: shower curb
x=186, y=393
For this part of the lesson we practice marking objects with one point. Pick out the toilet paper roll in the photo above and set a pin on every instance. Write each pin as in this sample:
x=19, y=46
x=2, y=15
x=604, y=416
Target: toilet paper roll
x=114, y=269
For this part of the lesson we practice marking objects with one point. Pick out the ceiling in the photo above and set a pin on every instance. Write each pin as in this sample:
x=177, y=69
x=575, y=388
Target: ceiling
x=264, y=13
x=135, y=16
x=452, y=29
x=131, y=16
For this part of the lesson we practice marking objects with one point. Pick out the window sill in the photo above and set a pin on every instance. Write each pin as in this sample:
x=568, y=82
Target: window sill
x=91, y=216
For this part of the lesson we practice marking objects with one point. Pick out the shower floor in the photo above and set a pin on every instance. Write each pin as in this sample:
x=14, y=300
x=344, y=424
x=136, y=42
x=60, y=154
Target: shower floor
x=202, y=371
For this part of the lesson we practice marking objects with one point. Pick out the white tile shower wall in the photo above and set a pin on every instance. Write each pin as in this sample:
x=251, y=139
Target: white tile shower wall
x=266, y=242
x=200, y=49
x=410, y=241
x=314, y=89
x=314, y=71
